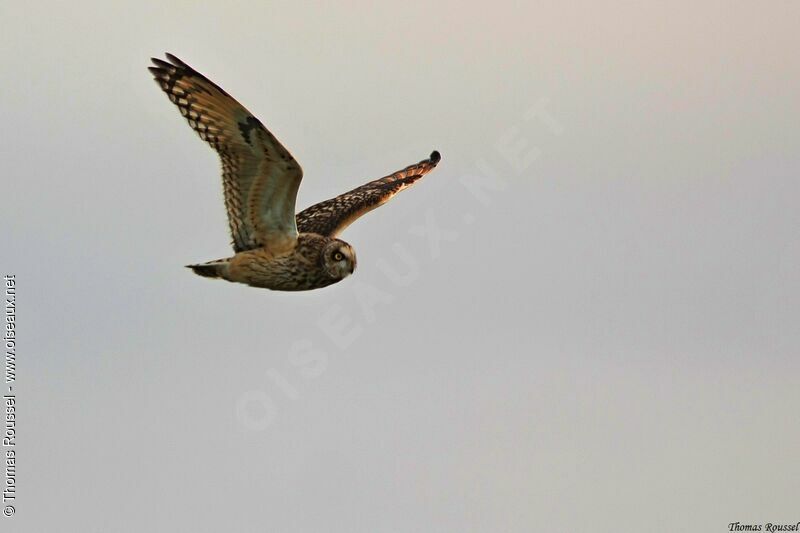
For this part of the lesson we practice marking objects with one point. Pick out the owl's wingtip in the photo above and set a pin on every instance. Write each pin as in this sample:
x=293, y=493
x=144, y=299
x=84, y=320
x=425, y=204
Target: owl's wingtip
x=175, y=60
x=436, y=156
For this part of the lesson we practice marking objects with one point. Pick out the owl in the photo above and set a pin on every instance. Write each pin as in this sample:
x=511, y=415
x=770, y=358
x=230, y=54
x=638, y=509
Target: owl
x=274, y=247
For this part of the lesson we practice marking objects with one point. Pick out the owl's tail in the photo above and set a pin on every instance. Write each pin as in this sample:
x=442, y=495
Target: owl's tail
x=212, y=269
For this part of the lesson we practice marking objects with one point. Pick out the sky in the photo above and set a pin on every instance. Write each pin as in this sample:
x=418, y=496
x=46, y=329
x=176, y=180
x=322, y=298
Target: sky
x=585, y=319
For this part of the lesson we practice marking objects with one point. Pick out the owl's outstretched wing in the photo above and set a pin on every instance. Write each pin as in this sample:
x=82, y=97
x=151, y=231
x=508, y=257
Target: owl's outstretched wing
x=259, y=176
x=332, y=216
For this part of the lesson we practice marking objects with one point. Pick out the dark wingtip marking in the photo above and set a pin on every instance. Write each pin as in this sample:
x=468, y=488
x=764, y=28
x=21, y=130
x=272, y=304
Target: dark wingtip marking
x=162, y=64
x=436, y=157
x=175, y=60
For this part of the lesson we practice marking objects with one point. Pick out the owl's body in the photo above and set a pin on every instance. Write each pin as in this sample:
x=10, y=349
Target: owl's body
x=275, y=249
x=314, y=262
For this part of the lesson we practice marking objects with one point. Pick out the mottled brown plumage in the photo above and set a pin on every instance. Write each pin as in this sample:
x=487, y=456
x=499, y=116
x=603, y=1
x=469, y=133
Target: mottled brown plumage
x=332, y=216
x=275, y=249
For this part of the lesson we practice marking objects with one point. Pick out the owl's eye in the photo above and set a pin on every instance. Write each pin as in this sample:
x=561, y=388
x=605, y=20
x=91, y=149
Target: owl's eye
x=338, y=256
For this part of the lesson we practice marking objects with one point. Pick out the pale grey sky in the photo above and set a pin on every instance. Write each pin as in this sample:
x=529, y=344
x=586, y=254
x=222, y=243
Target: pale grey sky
x=584, y=320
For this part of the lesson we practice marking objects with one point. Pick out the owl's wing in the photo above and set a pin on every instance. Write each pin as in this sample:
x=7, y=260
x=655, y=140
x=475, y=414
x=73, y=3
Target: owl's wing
x=259, y=176
x=332, y=216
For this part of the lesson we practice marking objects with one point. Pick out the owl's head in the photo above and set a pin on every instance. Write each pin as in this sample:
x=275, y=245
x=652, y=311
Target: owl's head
x=338, y=259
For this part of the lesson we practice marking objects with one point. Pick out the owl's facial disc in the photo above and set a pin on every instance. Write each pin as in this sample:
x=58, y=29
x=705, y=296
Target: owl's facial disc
x=339, y=259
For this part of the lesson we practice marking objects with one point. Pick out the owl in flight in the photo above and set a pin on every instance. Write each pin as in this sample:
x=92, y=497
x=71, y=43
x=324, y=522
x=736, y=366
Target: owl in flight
x=274, y=248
